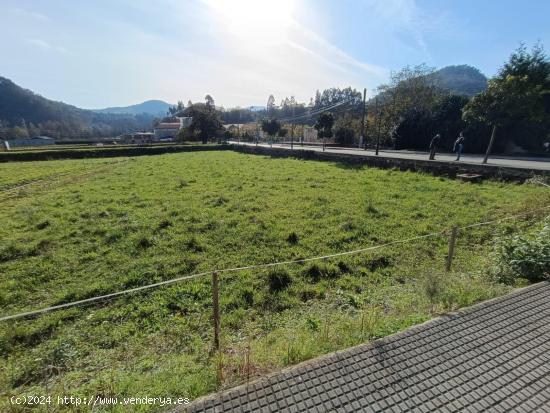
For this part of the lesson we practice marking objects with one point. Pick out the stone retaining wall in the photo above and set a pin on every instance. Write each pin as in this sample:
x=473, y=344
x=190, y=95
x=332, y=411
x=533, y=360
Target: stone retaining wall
x=439, y=168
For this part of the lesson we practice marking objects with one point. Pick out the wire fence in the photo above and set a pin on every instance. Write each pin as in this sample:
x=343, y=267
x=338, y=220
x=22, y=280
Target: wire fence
x=440, y=233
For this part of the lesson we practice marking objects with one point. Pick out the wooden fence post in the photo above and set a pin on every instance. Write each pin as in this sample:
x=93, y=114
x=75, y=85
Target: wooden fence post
x=452, y=242
x=248, y=361
x=216, y=308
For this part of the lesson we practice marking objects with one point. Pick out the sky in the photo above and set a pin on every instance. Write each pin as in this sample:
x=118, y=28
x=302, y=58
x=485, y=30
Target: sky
x=102, y=53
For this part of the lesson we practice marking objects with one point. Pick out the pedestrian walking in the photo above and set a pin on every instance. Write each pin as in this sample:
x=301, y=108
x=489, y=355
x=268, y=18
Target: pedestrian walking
x=458, y=146
x=433, y=146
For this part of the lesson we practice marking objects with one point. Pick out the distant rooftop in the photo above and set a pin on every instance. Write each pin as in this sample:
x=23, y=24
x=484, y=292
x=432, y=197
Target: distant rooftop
x=168, y=126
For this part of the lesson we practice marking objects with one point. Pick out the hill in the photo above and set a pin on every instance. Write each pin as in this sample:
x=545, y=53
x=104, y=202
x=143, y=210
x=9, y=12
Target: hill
x=461, y=79
x=256, y=108
x=24, y=113
x=152, y=107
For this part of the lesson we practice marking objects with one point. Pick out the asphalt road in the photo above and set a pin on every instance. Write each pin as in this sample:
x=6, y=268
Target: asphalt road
x=531, y=163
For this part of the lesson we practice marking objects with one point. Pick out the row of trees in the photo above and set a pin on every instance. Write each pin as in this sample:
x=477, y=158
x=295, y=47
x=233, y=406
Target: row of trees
x=516, y=103
x=105, y=126
x=415, y=105
x=208, y=119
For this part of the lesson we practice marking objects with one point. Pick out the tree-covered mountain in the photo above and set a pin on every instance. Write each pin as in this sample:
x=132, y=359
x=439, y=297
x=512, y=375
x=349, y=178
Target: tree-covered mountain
x=461, y=80
x=24, y=113
x=151, y=107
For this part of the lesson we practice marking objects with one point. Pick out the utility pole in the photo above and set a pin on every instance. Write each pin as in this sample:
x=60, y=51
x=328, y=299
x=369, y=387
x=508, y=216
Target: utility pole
x=239, y=128
x=379, y=112
x=363, y=137
x=292, y=130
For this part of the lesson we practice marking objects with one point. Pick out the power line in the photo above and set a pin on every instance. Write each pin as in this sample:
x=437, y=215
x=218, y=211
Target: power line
x=256, y=266
x=315, y=112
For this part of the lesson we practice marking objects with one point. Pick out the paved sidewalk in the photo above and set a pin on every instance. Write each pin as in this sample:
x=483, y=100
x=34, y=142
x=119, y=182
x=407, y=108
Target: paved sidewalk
x=494, y=356
x=530, y=163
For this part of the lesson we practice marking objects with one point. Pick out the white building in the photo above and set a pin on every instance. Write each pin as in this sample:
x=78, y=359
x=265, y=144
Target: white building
x=310, y=134
x=170, y=128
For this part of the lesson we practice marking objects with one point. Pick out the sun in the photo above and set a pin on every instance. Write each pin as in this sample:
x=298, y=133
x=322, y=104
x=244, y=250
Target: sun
x=264, y=19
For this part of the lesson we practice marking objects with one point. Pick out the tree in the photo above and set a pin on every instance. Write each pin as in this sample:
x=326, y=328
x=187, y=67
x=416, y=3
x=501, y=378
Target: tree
x=282, y=132
x=270, y=105
x=324, y=125
x=271, y=126
x=335, y=95
x=345, y=129
x=447, y=119
x=174, y=110
x=206, y=121
x=238, y=115
x=517, y=101
x=413, y=130
x=410, y=90
x=209, y=101
x=46, y=117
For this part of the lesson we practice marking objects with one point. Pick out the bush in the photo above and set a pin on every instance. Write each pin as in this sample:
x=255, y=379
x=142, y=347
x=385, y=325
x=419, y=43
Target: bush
x=144, y=243
x=318, y=271
x=292, y=238
x=524, y=257
x=278, y=280
x=108, y=152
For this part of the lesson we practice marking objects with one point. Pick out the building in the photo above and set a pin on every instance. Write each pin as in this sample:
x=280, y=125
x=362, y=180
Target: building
x=233, y=127
x=138, y=138
x=169, y=128
x=25, y=142
x=310, y=134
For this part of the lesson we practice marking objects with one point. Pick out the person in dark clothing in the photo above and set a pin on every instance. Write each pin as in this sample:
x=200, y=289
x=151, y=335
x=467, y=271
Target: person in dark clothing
x=433, y=146
x=459, y=146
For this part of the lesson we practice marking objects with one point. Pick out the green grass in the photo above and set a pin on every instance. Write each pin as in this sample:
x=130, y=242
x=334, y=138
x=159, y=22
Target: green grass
x=97, y=226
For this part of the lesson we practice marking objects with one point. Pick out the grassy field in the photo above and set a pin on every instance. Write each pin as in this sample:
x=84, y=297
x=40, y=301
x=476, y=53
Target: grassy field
x=80, y=228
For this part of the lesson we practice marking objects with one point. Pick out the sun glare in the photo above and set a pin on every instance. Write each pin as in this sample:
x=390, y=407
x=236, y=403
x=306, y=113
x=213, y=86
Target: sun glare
x=265, y=19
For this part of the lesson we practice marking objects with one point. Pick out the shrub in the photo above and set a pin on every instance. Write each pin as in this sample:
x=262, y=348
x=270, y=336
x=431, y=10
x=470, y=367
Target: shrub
x=343, y=267
x=165, y=223
x=312, y=293
x=525, y=256
x=292, y=238
x=144, y=243
x=380, y=262
x=11, y=252
x=278, y=280
x=247, y=296
x=371, y=209
x=43, y=224
x=434, y=288
x=194, y=245
x=107, y=152
x=319, y=271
